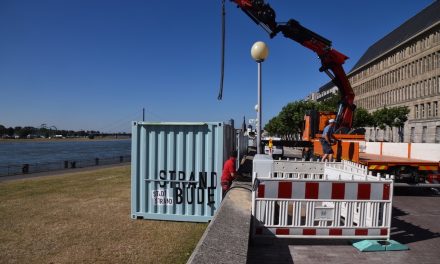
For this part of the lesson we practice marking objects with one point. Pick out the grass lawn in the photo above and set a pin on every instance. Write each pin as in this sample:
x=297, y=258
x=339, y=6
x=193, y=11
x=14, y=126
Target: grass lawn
x=84, y=217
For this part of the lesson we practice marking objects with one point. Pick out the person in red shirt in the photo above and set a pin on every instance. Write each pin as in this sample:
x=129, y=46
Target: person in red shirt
x=229, y=172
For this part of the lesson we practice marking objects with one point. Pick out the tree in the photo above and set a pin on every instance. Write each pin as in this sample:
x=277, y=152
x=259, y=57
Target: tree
x=362, y=118
x=274, y=126
x=289, y=123
x=292, y=117
x=381, y=119
x=400, y=116
x=391, y=117
x=331, y=103
x=25, y=131
x=3, y=130
x=10, y=131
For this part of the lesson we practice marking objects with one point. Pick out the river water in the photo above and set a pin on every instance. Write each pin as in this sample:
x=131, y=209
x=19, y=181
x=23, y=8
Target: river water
x=14, y=154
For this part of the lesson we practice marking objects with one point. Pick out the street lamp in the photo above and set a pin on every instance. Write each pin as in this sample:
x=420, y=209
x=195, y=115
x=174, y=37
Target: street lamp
x=259, y=53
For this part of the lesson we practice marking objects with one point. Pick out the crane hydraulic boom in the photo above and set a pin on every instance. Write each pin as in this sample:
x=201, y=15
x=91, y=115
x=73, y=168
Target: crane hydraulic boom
x=331, y=60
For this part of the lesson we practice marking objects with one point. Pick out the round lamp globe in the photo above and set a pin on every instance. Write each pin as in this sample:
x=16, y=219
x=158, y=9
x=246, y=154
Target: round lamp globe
x=259, y=51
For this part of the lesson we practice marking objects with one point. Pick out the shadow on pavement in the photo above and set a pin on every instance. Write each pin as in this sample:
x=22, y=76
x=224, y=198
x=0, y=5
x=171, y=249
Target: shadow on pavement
x=269, y=250
x=410, y=191
x=405, y=232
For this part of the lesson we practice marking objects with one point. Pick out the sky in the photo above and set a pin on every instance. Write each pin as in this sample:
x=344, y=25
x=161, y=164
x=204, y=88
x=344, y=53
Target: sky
x=94, y=64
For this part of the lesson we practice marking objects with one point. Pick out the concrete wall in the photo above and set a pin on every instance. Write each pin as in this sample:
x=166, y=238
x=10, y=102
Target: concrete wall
x=226, y=239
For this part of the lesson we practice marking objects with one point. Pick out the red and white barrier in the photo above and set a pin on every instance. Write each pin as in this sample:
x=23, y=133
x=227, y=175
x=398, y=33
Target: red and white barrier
x=323, y=190
x=345, y=233
x=314, y=199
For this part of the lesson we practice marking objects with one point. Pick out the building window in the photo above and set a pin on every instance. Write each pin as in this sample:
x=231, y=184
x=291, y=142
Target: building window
x=438, y=83
x=424, y=130
x=416, y=111
x=437, y=134
x=435, y=109
x=429, y=62
x=417, y=92
x=428, y=83
x=422, y=111
x=419, y=89
x=412, y=134
x=425, y=83
x=428, y=106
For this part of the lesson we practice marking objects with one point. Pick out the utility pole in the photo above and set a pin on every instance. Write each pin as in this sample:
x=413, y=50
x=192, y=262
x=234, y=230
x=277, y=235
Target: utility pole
x=143, y=114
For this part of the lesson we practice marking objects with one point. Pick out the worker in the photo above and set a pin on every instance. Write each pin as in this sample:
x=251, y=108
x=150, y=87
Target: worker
x=327, y=140
x=270, y=146
x=229, y=172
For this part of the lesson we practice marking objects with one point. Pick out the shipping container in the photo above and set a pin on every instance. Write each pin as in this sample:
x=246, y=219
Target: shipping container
x=176, y=169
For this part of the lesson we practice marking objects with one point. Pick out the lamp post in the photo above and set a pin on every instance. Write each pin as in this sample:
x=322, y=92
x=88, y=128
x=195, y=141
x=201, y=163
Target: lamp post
x=259, y=53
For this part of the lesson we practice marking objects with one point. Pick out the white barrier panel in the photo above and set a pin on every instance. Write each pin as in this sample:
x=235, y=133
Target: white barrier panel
x=422, y=151
x=362, y=146
x=395, y=149
x=317, y=170
x=425, y=151
x=373, y=147
x=343, y=202
x=297, y=170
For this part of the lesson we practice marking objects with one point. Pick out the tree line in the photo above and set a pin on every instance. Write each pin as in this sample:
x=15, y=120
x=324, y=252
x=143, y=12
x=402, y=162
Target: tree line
x=289, y=123
x=43, y=131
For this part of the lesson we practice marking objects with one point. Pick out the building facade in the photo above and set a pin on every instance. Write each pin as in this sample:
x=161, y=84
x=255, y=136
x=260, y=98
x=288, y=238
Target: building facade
x=311, y=97
x=403, y=69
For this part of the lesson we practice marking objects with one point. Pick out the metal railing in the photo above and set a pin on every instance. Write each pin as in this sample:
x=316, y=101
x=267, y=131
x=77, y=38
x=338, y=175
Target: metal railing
x=28, y=168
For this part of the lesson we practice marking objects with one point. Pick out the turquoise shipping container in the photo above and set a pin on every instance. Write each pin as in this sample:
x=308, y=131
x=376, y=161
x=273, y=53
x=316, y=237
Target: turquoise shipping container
x=176, y=169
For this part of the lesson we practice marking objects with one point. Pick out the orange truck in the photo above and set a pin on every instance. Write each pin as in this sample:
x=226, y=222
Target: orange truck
x=412, y=164
x=409, y=169
x=346, y=148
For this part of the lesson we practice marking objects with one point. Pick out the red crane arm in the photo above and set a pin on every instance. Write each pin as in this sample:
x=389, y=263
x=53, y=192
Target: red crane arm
x=331, y=59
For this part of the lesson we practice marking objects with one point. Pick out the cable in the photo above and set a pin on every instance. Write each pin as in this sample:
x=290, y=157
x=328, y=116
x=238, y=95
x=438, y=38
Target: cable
x=222, y=69
x=121, y=123
x=157, y=116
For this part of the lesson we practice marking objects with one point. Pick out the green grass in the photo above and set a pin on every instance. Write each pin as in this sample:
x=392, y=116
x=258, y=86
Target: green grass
x=85, y=218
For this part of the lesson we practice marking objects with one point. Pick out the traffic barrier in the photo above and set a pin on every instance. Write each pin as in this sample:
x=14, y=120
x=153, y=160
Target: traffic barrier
x=312, y=170
x=300, y=199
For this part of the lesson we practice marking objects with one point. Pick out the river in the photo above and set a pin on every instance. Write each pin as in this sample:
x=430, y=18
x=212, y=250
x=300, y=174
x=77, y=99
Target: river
x=54, y=154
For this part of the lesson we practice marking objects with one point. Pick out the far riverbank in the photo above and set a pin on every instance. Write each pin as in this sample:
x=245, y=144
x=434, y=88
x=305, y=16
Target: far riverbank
x=79, y=139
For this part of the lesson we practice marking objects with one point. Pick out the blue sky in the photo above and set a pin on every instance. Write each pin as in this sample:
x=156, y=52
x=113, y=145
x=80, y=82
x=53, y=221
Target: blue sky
x=93, y=65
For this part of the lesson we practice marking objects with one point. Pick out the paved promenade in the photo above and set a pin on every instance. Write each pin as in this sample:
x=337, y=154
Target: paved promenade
x=416, y=223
